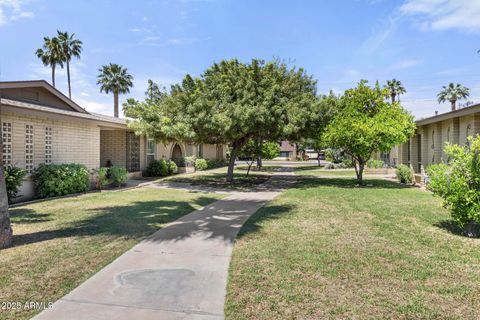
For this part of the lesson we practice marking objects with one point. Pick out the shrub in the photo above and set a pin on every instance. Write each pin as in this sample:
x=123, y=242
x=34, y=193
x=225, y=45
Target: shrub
x=211, y=164
x=172, y=167
x=334, y=155
x=404, y=173
x=157, y=168
x=117, y=176
x=13, y=180
x=188, y=161
x=201, y=164
x=347, y=163
x=458, y=183
x=375, y=164
x=101, y=176
x=60, y=179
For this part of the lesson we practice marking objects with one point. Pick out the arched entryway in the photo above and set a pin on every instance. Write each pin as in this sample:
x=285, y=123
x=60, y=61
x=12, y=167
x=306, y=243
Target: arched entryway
x=177, y=155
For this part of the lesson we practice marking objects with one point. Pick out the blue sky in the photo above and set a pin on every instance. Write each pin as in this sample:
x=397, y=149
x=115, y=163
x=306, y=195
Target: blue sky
x=424, y=43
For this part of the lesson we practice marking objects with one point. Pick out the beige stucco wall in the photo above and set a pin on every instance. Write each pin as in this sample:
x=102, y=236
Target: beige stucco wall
x=164, y=151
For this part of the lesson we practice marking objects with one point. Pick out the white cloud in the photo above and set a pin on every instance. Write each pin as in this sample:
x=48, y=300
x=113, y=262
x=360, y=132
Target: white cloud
x=444, y=14
x=380, y=34
x=12, y=10
x=405, y=64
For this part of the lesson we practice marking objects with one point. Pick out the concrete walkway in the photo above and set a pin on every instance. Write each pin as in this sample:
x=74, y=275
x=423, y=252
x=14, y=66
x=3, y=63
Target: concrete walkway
x=180, y=272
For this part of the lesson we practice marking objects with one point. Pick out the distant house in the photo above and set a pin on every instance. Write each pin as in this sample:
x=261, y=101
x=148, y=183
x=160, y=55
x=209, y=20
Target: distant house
x=41, y=125
x=288, y=151
x=427, y=145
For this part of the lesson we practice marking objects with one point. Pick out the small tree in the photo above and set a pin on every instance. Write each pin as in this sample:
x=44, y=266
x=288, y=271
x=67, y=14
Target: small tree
x=458, y=183
x=230, y=103
x=368, y=123
x=250, y=151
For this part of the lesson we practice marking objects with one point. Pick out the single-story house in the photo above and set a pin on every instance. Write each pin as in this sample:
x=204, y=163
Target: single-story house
x=288, y=151
x=41, y=125
x=427, y=144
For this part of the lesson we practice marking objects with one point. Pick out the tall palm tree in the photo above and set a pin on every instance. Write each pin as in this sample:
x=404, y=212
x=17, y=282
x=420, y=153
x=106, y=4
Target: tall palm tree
x=114, y=78
x=71, y=47
x=453, y=93
x=51, y=54
x=396, y=88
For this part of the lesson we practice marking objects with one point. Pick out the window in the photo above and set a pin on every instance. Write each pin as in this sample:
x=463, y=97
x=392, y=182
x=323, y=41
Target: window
x=433, y=139
x=29, y=148
x=48, y=145
x=200, y=150
x=7, y=143
x=448, y=134
x=150, y=150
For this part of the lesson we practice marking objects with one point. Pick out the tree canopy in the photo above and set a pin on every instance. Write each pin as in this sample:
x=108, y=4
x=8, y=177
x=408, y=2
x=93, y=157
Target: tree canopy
x=367, y=123
x=231, y=103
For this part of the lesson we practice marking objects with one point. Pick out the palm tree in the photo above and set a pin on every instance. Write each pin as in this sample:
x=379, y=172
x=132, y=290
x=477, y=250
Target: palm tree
x=50, y=54
x=114, y=78
x=453, y=93
x=396, y=88
x=70, y=48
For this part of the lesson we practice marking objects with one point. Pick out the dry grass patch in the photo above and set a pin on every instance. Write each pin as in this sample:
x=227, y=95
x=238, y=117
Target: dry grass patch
x=58, y=244
x=328, y=250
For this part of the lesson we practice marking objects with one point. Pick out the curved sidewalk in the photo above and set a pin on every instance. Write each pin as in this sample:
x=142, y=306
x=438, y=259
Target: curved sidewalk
x=180, y=272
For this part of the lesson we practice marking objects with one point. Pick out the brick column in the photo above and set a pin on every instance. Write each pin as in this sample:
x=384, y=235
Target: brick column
x=437, y=139
x=426, y=144
x=414, y=152
x=455, y=131
x=476, y=124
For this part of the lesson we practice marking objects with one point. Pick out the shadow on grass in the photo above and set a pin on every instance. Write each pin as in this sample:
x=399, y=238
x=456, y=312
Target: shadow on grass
x=254, y=223
x=27, y=216
x=137, y=220
x=451, y=227
x=306, y=182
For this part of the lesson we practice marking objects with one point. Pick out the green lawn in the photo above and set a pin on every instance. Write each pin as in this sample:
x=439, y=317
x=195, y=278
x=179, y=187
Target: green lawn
x=58, y=244
x=328, y=250
x=217, y=178
x=321, y=172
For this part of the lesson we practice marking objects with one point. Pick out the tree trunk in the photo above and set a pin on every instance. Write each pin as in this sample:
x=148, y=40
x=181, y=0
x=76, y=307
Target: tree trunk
x=53, y=75
x=393, y=97
x=231, y=163
x=68, y=77
x=115, y=104
x=259, y=154
x=249, y=167
x=5, y=227
x=361, y=166
x=454, y=105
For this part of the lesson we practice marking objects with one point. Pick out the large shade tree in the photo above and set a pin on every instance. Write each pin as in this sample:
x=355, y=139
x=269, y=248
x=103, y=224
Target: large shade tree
x=116, y=79
x=453, y=93
x=231, y=103
x=51, y=54
x=395, y=88
x=368, y=123
x=71, y=48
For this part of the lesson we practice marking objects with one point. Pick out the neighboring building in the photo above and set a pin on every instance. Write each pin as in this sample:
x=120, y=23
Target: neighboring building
x=427, y=145
x=41, y=125
x=288, y=151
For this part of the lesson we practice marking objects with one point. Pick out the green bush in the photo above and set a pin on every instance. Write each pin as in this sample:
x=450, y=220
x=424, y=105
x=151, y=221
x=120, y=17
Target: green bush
x=375, y=164
x=117, y=176
x=201, y=164
x=211, y=164
x=172, y=167
x=60, y=179
x=458, y=183
x=13, y=180
x=347, y=163
x=157, y=168
x=404, y=173
x=102, y=177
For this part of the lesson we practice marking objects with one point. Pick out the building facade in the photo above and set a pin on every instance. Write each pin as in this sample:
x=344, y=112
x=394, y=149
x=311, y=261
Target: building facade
x=40, y=125
x=427, y=145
